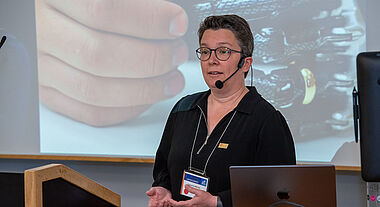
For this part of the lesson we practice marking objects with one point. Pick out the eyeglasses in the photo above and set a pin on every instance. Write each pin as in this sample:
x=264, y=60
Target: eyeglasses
x=221, y=53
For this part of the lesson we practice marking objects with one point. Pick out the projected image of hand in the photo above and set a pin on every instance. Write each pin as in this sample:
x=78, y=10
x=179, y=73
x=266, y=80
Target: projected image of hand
x=104, y=62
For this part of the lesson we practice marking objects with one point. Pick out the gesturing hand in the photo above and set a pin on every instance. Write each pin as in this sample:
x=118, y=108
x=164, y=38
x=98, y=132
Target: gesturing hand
x=201, y=199
x=158, y=197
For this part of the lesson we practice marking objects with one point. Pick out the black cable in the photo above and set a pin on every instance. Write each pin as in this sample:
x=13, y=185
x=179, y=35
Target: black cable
x=251, y=76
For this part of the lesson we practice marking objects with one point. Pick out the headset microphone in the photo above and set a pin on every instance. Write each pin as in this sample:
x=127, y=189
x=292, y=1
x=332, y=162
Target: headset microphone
x=219, y=84
x=2, y=41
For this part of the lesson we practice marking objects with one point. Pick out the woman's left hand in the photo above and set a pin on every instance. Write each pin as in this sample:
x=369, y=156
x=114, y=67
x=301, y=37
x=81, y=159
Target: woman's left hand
x=201, y=199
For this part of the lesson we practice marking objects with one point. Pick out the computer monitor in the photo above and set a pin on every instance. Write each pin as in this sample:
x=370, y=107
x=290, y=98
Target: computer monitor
x=289, y=185
x=368, y=74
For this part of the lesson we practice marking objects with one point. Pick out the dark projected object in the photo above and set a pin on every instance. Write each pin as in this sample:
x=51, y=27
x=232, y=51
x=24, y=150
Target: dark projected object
x=368, y=74
x=2, y=41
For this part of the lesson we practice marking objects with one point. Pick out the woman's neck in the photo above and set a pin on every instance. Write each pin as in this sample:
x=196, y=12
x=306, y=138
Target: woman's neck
x=229, y=97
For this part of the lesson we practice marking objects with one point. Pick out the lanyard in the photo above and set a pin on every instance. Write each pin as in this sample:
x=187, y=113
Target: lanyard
x=195, y=138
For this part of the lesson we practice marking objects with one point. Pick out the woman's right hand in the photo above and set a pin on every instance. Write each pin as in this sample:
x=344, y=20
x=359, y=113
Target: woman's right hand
x=158, y=197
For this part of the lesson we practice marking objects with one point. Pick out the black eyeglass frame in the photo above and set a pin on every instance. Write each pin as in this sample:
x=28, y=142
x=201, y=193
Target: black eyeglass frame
x=198, y=52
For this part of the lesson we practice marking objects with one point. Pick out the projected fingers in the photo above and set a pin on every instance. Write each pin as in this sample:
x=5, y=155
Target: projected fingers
x=86, y=113
x=103, y=91
x=105, y=54
x=109, y=56
x=150, y=19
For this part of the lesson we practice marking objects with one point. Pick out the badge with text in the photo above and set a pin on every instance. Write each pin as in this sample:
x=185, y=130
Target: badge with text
x=196, y=181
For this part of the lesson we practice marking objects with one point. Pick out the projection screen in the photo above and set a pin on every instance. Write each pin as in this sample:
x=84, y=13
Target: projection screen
x=100, y=77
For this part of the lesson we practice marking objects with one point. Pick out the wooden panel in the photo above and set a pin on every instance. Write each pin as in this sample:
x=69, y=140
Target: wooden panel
x=337, y=167
x=79, y=158
x=36, y=176
x=347, y=168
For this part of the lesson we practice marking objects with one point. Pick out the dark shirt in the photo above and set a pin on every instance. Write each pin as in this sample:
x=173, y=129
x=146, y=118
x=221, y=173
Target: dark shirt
x=257, y=135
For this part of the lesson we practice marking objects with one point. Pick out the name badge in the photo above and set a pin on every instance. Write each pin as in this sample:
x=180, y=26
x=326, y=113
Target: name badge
x=223, y=145
x=196, y=181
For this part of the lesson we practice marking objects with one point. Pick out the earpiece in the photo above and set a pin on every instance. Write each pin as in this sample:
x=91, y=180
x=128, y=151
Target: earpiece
x=241, y=62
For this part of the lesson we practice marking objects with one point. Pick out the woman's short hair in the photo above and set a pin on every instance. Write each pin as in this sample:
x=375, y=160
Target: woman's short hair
x=236, y=25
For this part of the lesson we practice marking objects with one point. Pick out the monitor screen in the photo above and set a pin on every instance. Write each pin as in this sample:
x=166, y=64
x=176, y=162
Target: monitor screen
x=368, y=72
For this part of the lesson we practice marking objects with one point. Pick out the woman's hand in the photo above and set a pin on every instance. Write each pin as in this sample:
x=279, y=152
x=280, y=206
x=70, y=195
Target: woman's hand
x=201, y=199
x=158, y=197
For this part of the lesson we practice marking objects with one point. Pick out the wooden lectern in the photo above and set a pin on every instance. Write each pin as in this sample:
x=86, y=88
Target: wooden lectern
x=57, y=185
